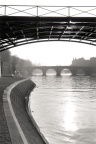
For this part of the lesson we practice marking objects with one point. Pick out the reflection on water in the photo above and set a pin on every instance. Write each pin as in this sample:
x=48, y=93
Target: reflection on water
x=65, y=108
x=69, y=117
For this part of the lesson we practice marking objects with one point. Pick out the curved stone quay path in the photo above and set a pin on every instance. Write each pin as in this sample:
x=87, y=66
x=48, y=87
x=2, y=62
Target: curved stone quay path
x=8, y=134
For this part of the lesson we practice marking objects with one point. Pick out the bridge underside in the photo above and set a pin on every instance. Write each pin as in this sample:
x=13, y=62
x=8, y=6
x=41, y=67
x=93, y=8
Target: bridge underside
x=20, y=30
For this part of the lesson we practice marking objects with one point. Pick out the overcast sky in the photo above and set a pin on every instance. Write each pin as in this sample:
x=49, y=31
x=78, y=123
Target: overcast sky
x=53, y=53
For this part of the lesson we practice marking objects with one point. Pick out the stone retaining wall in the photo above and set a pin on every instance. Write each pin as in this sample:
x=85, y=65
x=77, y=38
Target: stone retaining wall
x=19, y=102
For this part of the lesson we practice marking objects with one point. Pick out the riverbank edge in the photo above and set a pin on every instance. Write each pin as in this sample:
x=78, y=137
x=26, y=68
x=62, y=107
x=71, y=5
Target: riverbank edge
x=34, y=122
x=10, y=119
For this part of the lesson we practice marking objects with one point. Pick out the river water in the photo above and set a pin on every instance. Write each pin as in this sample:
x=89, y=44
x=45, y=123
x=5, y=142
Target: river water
x=65, y=108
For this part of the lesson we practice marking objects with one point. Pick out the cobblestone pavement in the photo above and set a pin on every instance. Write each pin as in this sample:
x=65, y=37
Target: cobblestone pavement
x=4, y=132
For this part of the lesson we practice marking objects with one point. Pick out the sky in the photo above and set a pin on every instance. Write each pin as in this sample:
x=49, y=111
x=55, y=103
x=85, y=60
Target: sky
x=53, y=53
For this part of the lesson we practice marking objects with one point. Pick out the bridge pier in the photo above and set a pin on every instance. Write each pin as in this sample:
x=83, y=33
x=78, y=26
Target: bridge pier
x=73, y=71
x=88, y=72
x=58, y=73
x=74, y=74
x=44, y=72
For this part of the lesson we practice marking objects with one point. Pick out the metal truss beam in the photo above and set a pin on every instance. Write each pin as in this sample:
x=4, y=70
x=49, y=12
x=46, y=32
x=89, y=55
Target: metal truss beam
x=21, y=30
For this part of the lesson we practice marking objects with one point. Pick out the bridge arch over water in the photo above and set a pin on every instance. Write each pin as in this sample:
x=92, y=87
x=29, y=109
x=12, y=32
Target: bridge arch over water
x=81, y=71
x=73, y=69
x=20, y=25
x=51, y=72
x=37, y=72
x=65, y=71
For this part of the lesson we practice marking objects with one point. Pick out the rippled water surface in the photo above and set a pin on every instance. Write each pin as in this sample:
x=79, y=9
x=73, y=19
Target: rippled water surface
x=65, y=108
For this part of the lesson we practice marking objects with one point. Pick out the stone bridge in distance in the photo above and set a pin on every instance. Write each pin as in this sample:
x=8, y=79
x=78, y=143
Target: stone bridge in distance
x=73, y=69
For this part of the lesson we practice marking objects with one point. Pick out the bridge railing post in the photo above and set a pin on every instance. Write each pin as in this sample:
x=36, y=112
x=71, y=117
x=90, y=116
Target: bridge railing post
x=37, y=10
x=68, y=11
x=5, y=10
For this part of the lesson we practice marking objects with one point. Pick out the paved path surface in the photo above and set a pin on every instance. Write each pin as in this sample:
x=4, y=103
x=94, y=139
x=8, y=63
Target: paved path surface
x=17, y=98
x=4, y=132
x=18, y=95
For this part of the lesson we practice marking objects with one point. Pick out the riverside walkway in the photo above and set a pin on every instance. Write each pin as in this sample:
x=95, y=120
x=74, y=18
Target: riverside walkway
x=4, y=132
x=17, y=97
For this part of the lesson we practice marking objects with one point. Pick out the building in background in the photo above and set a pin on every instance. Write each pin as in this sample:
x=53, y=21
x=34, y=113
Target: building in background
x=82, y=62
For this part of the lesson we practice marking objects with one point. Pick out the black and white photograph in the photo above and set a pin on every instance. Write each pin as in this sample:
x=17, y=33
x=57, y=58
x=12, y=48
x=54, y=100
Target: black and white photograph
x=47, y=72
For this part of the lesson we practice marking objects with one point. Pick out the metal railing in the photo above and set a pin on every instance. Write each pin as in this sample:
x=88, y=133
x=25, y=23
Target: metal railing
x=47, y=11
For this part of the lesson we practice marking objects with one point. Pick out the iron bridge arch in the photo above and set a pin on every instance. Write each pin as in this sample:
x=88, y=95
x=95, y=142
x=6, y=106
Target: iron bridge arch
x=17, y=29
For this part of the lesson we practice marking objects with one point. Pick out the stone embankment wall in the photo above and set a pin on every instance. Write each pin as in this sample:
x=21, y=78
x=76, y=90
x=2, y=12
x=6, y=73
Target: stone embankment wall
x=19, y=98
